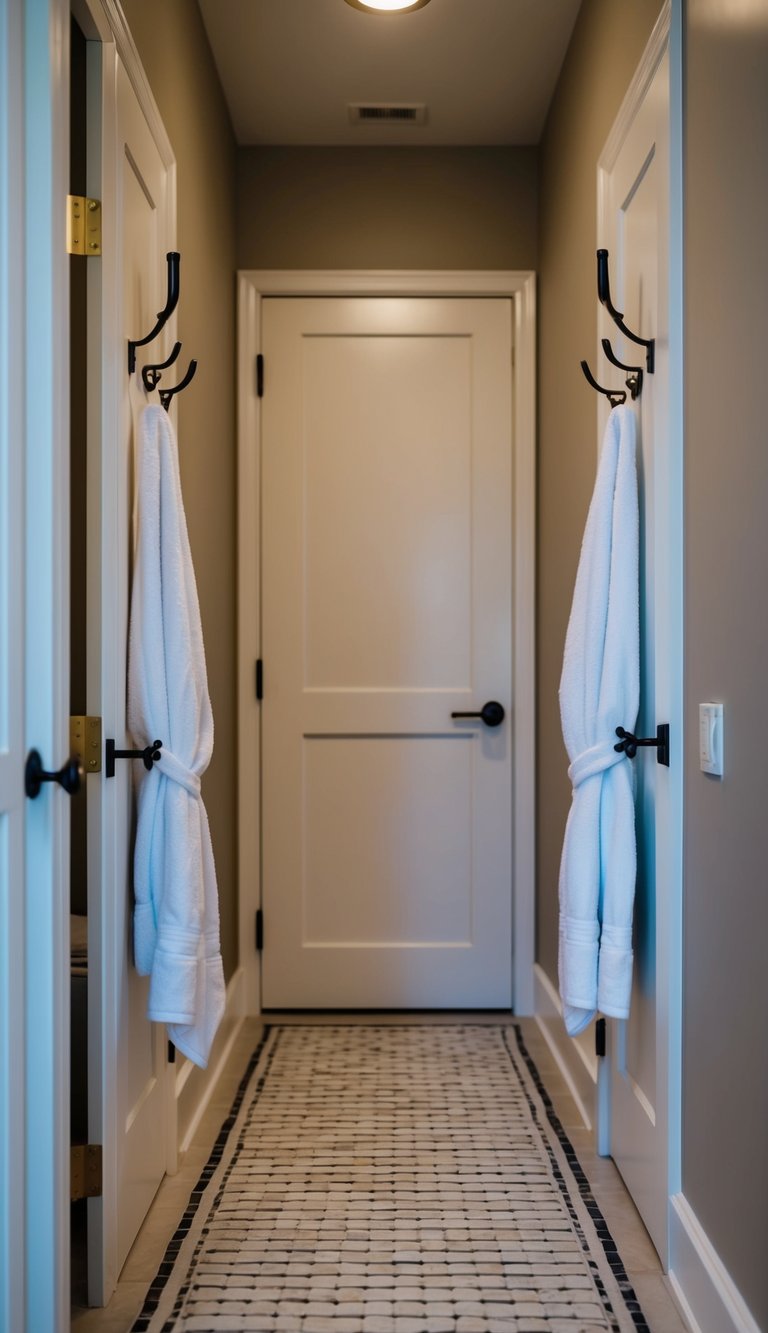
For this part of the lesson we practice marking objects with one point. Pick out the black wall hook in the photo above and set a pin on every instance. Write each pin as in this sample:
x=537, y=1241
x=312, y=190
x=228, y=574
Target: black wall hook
x=629, y=743
x=151, y=375
x=604, y=297
x=173, y=259
x=167, y=394
x=615, y=396
x=634, y=380
x=148, y=756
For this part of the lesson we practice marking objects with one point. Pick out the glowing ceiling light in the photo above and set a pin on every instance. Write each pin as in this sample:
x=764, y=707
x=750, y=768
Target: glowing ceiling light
x=387, y=6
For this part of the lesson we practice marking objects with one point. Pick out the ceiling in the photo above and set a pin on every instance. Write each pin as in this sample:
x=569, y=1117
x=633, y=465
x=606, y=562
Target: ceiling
x=486, y=69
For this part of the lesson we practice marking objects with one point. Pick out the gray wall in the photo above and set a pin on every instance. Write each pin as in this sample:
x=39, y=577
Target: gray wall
x=607, y=43
x=387, y=208
x=725, y=1152
x=175, y=53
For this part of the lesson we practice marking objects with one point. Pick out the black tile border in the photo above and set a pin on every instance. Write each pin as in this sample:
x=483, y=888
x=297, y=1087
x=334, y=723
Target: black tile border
x=613, y=1258
x=157, y=1287
x=610, y=1248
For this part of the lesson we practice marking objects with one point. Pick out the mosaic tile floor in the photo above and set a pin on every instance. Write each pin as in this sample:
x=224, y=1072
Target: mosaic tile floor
x=392, y=1180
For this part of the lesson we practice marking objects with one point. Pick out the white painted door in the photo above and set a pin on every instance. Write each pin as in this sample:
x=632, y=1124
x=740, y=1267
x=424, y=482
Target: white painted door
x=130, y=1076
x=11, y=689
x=387, y=606
x=34, y=684
x=635, y=228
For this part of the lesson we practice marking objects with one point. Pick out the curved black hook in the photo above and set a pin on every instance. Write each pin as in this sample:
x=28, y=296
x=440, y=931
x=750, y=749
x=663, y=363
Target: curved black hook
x=615, y=396
x=635, y=376
x=173, y=259
x=167, y=394
x=604, y=297
x=151, y=374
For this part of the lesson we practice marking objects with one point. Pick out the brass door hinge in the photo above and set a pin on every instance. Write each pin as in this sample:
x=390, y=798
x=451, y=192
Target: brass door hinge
x=83, y=225
x=85, y=742
x=85, y=1171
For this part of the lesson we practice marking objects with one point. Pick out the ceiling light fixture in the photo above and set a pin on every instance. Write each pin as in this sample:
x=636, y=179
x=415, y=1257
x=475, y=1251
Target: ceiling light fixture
x=387, y=6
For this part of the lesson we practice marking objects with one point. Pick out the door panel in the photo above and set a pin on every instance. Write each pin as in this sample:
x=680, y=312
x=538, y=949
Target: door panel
x=635, y=223
x=132, y=1106
x=387, y=604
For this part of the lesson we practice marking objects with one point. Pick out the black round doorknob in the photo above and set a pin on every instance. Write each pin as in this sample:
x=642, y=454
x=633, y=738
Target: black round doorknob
x=492, y=714
x=35, y=775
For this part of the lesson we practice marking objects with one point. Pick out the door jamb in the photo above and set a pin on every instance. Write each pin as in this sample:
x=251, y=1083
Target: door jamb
x=253, y=285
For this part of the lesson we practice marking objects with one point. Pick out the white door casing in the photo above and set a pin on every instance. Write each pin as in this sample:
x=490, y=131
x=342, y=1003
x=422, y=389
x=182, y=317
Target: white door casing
x=634, y=222
x=131, y=169
x=338, y=754
x=386, y=604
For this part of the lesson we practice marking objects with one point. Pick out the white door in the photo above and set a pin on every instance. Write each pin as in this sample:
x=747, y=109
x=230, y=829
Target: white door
x=11, y=693
x=635, y=228
x=387, y=607
x=129, y=1072
x=34, y=684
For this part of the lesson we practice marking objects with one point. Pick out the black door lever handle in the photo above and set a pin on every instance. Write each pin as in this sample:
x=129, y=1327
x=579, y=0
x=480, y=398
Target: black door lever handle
x=492, y=714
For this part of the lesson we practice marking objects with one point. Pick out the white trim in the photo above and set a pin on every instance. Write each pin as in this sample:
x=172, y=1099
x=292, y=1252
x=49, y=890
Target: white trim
x=195, y=1087
x=707, y=1294
x=521, y=287
x=574, y=1056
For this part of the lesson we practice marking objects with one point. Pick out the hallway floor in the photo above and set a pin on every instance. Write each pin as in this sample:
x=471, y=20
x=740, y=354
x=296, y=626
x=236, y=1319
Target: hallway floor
x=634, y=1246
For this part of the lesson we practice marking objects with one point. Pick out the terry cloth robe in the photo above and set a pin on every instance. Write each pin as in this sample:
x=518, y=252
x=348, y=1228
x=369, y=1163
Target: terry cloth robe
x=599, y=691
x=176, y=915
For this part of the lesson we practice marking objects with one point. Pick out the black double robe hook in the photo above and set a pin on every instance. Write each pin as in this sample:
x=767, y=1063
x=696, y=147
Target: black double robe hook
x=604, y=297
x=173, y=259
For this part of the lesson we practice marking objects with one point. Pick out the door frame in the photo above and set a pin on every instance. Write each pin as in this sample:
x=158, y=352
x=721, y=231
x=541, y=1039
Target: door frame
x=520, y=287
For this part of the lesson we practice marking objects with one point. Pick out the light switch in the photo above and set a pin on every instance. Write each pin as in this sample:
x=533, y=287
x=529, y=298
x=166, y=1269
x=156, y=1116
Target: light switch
x=711, y=739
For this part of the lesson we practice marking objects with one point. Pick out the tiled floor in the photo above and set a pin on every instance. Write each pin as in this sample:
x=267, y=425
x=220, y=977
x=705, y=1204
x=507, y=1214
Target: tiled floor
x=634, y=1245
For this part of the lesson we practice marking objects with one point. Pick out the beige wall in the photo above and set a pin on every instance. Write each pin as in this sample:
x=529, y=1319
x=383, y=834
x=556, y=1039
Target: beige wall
x=607, y=43
x=725, y=1116
x=451, y=208
x=175, y=54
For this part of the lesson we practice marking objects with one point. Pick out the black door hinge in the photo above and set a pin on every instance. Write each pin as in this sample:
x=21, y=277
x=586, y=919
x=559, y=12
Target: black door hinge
x=600, y=1037
x=259, y=679
x=259, y=376
x=259, y=930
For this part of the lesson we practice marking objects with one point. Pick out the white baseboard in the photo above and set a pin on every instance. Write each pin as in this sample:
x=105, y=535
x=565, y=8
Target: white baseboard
x=704, y=1289
x=194, y=1087
x=575, y=1056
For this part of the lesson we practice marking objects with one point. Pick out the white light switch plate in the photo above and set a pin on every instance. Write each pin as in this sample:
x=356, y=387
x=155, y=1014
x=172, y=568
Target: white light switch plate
x=711, y=739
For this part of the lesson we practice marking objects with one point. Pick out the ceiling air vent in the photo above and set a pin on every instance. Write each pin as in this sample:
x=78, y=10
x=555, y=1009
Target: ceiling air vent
x=392, y=113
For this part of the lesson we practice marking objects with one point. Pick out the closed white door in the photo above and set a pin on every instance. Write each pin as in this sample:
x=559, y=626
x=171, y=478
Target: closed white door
x=387, y=608
x=635, y=223
x=129, y=1072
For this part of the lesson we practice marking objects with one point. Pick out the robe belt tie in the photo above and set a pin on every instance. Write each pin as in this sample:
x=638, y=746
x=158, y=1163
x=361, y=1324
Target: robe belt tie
x=178, y=772
x=597, y=759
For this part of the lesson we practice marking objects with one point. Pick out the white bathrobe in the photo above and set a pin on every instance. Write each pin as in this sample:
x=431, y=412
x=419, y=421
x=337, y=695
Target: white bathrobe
x=176, y=916
x=599, y=691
